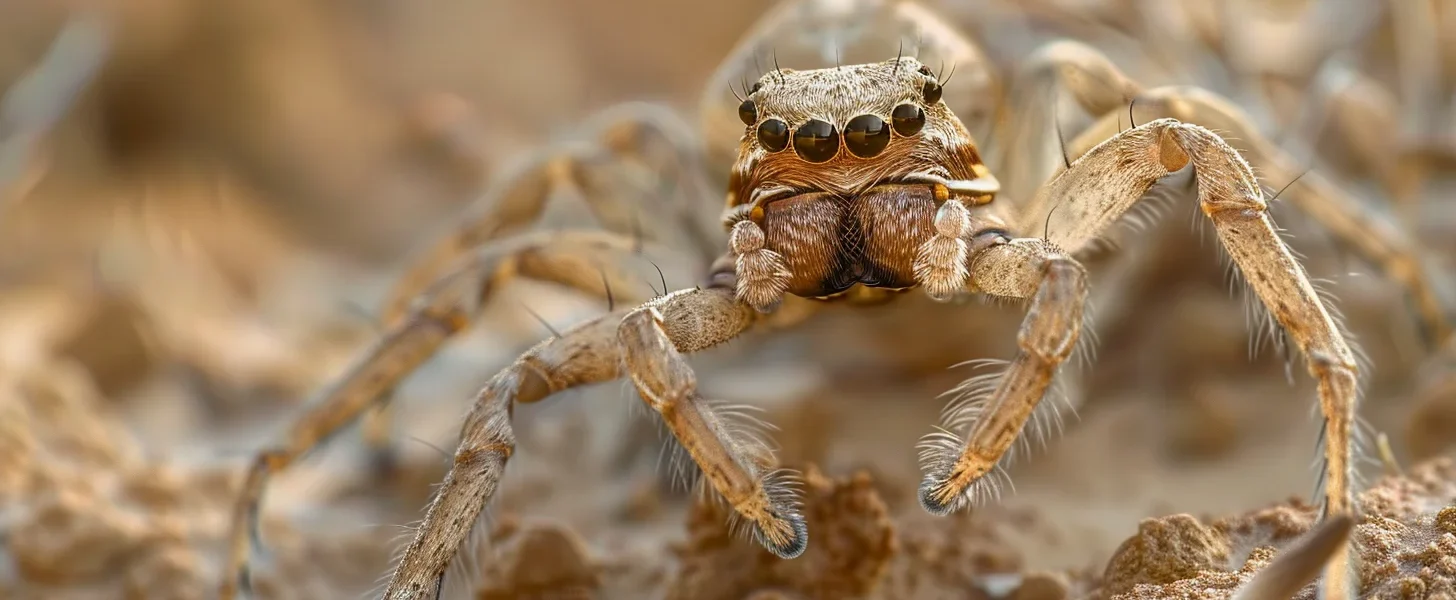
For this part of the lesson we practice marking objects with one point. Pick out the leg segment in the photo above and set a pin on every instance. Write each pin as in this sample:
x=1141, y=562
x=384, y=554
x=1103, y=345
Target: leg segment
x=1375, y=237
x=1057, y=285
x=1102, y=90
x=582, y=355
x=1109, y=179
x=444, y=309
x=653, y=341
x=642, y=133
x=647, y=343
x=392, y=358
x=645, y=134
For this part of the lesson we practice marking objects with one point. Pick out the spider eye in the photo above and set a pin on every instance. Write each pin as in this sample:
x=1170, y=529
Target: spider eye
x=907, y=119
x=748, y=112
x=866, y=136
x=924, y=70
x=932, y=92
x=773, y=135
x=757, y=85
x=816, y=141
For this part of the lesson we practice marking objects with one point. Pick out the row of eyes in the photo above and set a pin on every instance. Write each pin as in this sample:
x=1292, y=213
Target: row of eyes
x=816, y=141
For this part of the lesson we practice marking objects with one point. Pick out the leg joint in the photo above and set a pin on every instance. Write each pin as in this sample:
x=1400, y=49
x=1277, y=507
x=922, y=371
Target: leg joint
x=1326, y=366
x=1226, y=211
x=475, y=454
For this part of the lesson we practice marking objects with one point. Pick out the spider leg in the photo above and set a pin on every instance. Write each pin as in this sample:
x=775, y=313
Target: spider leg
x=443, y=310
x=623, y=135
x=653, y=340
x=1350, y=219
x=1402, y=140
x=1106, y=181
x=1362, y=114
x=1057, y=286
x=1029, y=148
x=647, y=343
x=640, y=133
x=1102, y=90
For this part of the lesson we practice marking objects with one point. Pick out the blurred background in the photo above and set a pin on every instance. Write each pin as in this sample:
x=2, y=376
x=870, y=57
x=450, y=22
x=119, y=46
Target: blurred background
x=204, y=205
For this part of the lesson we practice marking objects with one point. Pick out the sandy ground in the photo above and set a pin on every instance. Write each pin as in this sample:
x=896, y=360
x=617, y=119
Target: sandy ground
x=161, y=318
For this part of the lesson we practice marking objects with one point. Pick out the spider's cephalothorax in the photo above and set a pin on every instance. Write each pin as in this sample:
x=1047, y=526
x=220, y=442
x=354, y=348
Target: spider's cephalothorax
x=840, y=178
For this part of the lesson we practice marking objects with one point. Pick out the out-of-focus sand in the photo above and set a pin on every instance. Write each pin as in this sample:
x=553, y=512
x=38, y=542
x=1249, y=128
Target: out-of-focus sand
x=134, y=386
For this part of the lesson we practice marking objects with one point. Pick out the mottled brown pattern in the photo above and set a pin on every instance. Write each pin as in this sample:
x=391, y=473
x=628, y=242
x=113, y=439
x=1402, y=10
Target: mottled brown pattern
x=851, y=220
x=830, y=243
x=941, y=150
x=809, y=231
x=894, y=221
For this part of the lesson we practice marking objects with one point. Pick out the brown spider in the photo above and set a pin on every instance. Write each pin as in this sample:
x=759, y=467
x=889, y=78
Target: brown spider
x=855, y=182
x=848, y=183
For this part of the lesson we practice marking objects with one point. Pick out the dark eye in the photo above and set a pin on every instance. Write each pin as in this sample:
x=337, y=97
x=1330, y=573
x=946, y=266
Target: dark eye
x=907, y=119
x=816, y=141
x=748, y=111
x=924, y=70
x=773, y=135
x=932, y=92
x=756, y=86
x=866, y=135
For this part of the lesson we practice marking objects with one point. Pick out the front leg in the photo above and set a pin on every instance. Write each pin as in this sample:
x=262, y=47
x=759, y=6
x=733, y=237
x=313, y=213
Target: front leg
x=443, y=310
x=1347, y=217
x=653, y=340
x=1104, y=183
x=1082, y=73
x=955, y=467
x=647, y=344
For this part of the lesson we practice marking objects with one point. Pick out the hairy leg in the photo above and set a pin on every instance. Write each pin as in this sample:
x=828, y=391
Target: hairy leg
x=653, y=341
x=442, y=310
x=1057, y=285
x=1351, y=220
x=1110, y=178
x=641, y=133
x=1034, y=152
x=647, y=343
x=629, y=134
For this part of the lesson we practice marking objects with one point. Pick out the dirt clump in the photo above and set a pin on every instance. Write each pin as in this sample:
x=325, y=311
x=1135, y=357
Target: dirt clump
x=849, y=554
x=1406, y=539
x=87, y=515
x=538, y=560
x=857, y=550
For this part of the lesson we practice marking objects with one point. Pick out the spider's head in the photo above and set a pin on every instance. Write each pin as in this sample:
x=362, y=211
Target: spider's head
x=845, y=129
x=840, y=175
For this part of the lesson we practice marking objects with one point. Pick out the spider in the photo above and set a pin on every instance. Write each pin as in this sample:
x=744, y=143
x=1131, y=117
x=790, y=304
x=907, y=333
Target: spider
x=854, y=183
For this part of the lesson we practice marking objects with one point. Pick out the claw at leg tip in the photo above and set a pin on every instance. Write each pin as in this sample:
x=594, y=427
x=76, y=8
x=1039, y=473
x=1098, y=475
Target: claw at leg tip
x=791, y=547
x=931, y=501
